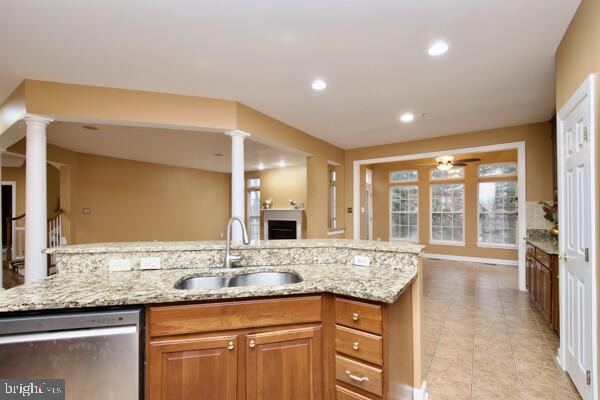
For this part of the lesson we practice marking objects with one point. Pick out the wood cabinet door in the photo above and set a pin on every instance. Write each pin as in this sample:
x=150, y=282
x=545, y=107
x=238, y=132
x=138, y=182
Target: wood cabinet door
x=528, y=273
x=284, y=365
x=194, y=368
x=547, y=294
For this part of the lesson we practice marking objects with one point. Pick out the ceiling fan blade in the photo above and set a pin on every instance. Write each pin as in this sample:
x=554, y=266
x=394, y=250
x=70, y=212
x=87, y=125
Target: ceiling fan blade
x=467, y=160
x=459, y=164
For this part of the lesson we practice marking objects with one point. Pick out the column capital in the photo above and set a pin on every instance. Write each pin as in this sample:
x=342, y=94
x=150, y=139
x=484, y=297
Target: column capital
x=36, y=118
x=237, y=133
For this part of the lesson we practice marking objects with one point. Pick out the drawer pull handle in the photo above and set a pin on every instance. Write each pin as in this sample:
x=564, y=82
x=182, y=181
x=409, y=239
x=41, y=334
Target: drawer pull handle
x=230, y=345
x=356, y=346
x=356, y=377
x=355, y=316
x=252, y=344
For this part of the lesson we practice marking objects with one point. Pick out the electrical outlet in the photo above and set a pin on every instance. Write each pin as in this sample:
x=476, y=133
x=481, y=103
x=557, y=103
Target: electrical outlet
x=150, y=263
x=362, y=261
x=119, y=264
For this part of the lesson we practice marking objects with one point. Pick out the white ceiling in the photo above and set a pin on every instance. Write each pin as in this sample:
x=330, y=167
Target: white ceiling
x=189, y=149
x=265, y=53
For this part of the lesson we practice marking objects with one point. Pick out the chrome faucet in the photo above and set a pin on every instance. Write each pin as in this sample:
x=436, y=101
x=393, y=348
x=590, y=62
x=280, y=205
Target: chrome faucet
x=229, y=259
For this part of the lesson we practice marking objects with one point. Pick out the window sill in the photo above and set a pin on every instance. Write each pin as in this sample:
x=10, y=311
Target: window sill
x=498, y=246
x=336, y=232
x=404, y=240
x=446, y=243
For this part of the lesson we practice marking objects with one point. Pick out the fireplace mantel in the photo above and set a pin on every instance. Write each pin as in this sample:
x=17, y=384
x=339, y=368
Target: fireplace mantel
x=283, y=214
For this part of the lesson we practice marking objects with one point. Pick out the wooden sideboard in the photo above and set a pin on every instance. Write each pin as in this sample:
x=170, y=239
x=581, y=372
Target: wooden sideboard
x=542, y=284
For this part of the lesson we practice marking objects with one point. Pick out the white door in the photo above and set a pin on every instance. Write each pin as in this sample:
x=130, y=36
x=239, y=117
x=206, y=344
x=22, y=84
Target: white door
x=369, y=201
x=574, y=132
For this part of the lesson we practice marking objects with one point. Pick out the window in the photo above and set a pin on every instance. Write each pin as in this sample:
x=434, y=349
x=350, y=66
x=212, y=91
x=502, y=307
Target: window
x=499, y=169
x=404, y=212
x=447, y=213
x=454, y=173
x=411, y=175
x=253, y=209
x=497, y=203
x=332, y=198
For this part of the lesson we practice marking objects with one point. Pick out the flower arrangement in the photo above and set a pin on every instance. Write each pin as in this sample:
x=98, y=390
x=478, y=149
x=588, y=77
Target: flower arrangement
x=550, y=212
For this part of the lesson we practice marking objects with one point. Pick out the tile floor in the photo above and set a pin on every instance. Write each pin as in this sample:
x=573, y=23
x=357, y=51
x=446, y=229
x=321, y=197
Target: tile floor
x=483, y=338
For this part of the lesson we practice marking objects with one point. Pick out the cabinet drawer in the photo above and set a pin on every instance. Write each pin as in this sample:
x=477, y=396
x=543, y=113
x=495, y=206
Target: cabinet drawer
x=345, y=394
x=358, y=315
x=542, y=257
x=364, y=346
x=195, y=318
x=359, y=375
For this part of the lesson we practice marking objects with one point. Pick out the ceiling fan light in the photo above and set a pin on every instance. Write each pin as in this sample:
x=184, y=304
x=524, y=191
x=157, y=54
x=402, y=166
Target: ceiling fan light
x=445, y=167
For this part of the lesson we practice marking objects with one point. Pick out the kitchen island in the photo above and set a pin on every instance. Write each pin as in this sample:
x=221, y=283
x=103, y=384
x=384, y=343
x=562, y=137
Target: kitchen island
x=343, y=331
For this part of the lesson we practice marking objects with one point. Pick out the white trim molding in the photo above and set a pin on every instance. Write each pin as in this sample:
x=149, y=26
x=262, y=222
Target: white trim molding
x=421, y=393
x=479, y=260
x=521, y=177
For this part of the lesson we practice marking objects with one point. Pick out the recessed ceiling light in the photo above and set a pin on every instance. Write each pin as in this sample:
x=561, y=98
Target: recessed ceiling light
x=438, y=48
x=282, y=163
x=319, y=84
x=261, y=166
x=89, y=127
x=407, y=117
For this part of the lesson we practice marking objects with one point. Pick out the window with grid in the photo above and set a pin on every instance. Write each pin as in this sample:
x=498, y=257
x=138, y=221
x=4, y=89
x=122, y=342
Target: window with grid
x=404, y=212
x=498, y=220
x=447, y=213
x=253, y=186
x=410, y=175
x=453, y=173
x=498, y=169
x=332, y=198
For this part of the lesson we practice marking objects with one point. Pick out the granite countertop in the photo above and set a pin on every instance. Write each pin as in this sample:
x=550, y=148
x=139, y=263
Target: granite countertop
x=128, y=247
x=549, y=246
x=96, y=289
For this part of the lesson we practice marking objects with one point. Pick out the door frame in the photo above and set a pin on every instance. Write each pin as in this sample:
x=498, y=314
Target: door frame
x=521, y=178
x=14, y=206
x=369, y=208
x=587, y=89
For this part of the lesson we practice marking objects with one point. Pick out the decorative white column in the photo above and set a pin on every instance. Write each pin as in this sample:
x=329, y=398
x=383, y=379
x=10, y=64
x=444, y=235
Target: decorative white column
x=238, y=191
x=36, y=228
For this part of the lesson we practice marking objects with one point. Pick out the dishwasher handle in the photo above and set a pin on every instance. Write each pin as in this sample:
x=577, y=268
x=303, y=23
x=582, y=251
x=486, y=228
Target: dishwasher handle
x=70, y=334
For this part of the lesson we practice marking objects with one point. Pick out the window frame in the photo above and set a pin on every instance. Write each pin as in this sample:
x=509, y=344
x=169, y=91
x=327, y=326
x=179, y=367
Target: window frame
x=406, y=181
x=249, y=217
x=390, y=227
x=433, y=241
x=454, y=178
x=498, y=245
x=332, y=199
x=497, y=176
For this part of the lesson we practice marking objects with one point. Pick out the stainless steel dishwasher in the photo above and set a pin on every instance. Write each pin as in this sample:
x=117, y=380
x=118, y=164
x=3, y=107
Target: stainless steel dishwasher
x=97, y=353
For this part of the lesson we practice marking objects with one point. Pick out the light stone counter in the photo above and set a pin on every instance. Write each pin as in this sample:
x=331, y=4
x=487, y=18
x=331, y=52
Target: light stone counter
x=324, y=265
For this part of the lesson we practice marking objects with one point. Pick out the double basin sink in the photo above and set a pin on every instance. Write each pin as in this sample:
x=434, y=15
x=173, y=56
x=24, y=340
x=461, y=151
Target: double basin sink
x=247, y=279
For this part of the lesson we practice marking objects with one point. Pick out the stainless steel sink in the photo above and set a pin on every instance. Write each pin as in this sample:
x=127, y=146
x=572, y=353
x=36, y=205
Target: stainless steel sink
x=249, y=279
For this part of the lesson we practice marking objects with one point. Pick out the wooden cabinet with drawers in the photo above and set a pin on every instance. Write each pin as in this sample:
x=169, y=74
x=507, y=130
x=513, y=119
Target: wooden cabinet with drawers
x=322, y=347
x=541, y=279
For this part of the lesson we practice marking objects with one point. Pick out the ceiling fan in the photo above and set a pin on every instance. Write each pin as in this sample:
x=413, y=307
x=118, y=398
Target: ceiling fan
x=446, y=163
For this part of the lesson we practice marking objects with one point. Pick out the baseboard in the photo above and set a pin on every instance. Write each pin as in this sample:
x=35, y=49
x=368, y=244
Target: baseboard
x=421, y=393
x=497, y=261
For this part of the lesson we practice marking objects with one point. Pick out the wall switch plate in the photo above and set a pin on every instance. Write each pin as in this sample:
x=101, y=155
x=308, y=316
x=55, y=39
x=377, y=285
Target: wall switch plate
x=150, y=263
x=362, y=261
x=119, y=264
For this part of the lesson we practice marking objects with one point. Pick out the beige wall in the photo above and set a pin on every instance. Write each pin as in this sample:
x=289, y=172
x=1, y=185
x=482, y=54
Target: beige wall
x=136, y=201
x=577, y=57
x=381, y=204
x=537, y=138
x=17, y=175
x=133, y=201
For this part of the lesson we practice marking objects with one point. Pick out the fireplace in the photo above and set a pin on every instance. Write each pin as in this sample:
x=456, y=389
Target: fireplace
x=282, y=230
x=282, y=223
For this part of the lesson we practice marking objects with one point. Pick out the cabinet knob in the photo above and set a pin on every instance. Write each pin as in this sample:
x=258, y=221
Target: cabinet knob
x=252, y=344
x=356, y=346
x=355, y=316
x=230, y=345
